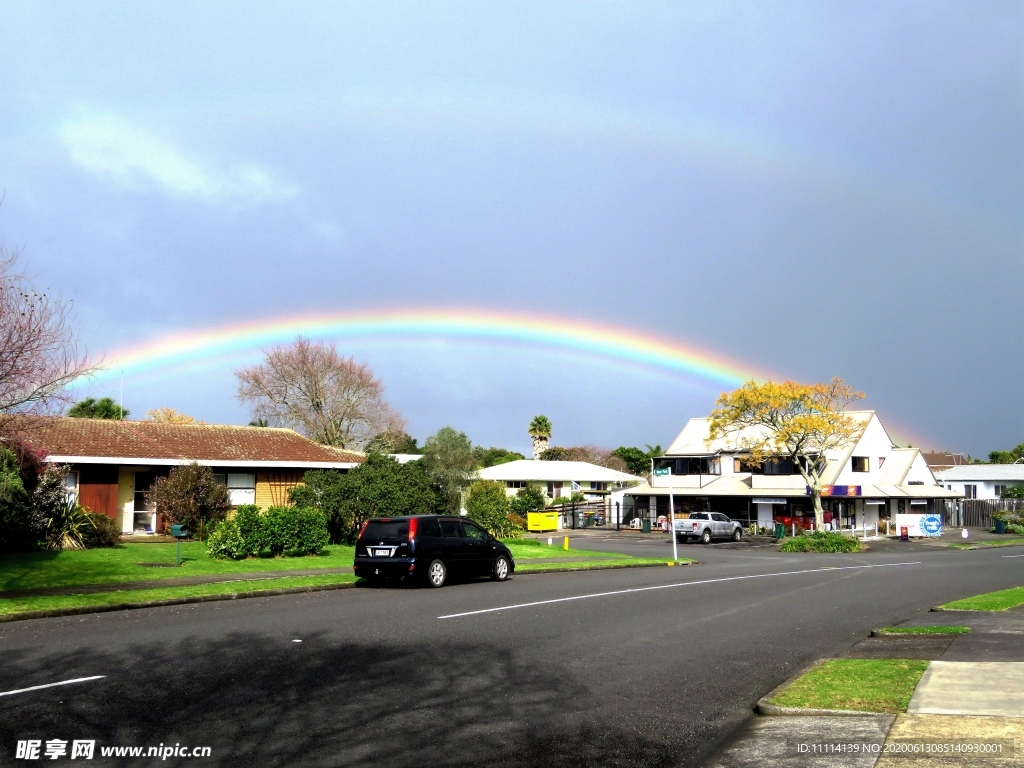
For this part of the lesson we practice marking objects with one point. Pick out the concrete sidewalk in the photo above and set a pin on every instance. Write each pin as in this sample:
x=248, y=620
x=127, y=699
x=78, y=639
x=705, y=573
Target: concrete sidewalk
x=972, y=693
x=970, y=688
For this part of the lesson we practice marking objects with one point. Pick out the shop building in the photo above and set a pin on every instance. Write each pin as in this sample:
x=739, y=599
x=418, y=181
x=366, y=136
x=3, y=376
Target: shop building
x=868, y=482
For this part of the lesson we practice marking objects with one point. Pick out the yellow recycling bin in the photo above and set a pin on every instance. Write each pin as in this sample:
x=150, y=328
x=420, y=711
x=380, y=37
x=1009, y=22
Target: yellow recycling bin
x=541, y=521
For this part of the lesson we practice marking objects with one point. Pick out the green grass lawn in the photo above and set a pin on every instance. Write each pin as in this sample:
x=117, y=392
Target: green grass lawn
x=925, y=630
x=49, y=602
x=861, y=685
x=31, y=570
x=1017, y=541
x=583, y=565
x=993, y=601
x=524, y=550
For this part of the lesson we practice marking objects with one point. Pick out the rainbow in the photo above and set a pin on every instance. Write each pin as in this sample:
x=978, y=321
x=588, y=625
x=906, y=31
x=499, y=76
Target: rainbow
x=613, y=343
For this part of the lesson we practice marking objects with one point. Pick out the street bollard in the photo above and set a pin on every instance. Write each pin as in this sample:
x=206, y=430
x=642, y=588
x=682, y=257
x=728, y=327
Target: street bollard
x=565, y=544
x=549, y=541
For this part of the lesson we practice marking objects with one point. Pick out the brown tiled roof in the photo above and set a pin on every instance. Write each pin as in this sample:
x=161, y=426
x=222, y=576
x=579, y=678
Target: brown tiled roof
x=63, y=436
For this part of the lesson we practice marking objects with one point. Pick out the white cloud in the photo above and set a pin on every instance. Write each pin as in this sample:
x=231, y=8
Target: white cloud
x=135, y=158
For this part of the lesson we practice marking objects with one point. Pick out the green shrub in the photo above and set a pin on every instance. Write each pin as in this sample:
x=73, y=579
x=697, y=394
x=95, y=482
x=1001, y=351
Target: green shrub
x=226, y=541
x=528, y=499
x=103, y=532
x=292, y=531
x=296, y=531
x=821, y=541
x=252, y=527
x=1017, y=529
x=487, y=504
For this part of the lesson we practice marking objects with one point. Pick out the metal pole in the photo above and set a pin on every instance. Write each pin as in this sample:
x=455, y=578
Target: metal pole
x=672, y=518
x=179, y=550
x=618, y=517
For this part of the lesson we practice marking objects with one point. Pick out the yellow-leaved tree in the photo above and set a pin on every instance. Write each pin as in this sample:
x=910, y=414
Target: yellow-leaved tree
x=800, y=422
x=170, y=416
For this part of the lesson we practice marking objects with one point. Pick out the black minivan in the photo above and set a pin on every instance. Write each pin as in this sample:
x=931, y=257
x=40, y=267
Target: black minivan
x=429, y=548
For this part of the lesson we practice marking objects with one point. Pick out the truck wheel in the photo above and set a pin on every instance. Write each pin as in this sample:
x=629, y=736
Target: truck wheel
x=437, y=574
x=705, y=538
x=737, y=535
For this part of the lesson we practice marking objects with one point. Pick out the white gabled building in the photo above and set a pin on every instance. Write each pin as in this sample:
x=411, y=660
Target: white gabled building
x=982, y=481
x=868, y=481
x=558, y=478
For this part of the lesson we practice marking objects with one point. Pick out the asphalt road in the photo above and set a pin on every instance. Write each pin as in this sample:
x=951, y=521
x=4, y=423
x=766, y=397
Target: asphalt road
x=658, y=676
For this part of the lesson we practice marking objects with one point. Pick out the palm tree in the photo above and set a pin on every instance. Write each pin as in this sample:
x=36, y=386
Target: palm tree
x=540, y=431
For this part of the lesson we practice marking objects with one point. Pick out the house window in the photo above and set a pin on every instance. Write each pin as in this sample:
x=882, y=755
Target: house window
x=71, y=486
x=881, y=461
x=778, y=467
x=696, y=465
x=516, y=483
x=595, y=486
x=970, y=491
x=143, y=482
x=241, y=488
x=861, y=464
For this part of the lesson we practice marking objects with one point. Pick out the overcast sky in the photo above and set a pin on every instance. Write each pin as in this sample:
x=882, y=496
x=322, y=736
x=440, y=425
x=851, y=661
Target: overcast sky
x=814, y=189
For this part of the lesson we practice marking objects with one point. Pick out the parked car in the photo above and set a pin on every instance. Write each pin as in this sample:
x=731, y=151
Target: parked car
x=706, y=526
x=429, y=548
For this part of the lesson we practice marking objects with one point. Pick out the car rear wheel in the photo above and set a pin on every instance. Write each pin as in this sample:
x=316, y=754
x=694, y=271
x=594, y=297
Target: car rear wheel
x=501, y=568
x=437, y=574
x=705, y=538
x=737, y=534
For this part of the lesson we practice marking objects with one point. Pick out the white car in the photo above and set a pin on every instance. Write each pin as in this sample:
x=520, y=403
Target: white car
x=707, y=526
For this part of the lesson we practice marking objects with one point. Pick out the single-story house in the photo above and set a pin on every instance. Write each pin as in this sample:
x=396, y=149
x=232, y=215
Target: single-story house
x=938, y=461
x=867, y=482
x=558, y=478
x=114, y=463
x=982, y=481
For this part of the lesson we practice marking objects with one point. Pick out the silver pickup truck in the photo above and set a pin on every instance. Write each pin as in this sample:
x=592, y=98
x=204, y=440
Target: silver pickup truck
x=707, y=526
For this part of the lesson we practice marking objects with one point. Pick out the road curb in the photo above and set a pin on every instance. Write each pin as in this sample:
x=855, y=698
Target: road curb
x=915, y=635
x=601, y=568
x=83, y=609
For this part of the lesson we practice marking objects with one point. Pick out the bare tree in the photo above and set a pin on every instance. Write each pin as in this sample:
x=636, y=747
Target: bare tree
x=312, y=389
x=39, y=346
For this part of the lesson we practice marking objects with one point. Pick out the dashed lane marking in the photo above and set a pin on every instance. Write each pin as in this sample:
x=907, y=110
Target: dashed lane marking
x=52, y=685
x=671, y=586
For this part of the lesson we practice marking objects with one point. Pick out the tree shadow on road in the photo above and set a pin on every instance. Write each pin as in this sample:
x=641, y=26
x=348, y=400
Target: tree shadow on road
x=272, y=702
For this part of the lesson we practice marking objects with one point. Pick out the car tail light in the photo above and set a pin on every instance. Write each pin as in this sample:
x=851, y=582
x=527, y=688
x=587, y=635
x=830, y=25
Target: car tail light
x=412, y=528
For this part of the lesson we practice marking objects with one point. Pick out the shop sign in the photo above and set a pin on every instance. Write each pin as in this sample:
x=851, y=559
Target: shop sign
x=837, y=490
x=768, y=501
x=920, y=525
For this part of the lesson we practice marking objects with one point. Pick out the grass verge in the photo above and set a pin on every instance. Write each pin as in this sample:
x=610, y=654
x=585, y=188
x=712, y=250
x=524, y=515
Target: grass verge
x=860, y=685
x=992, y=601
x=139, y=562
x=529, y=549
x=123, y=597
x=820, y=541
x=924, y=630
x=590, y=565
x=979, y=544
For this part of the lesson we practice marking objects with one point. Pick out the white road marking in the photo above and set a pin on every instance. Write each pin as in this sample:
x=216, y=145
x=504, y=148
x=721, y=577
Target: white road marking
x=670, y=586
x=1013, y=555
x=51, y=685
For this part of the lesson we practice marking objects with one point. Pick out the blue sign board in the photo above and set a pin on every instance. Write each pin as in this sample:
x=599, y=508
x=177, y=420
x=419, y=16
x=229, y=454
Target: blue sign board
x=931, y=525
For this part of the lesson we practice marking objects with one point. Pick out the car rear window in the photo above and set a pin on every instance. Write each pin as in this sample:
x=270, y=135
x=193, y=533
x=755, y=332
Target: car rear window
x=699, y=516
x=428, y=527
x=379, y=530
